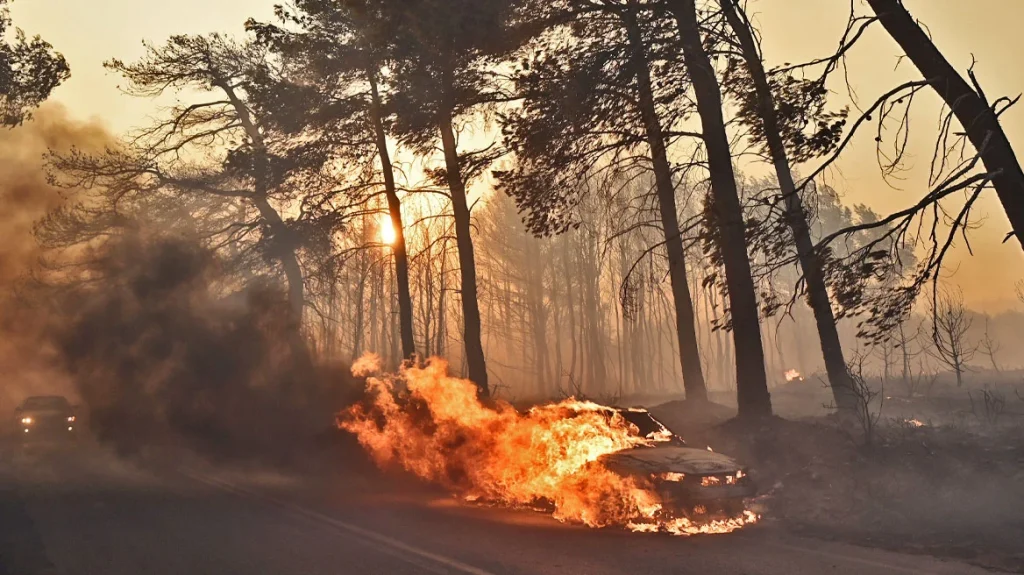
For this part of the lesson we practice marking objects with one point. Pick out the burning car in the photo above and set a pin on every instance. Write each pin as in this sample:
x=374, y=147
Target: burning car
x=44, y=417
x=581, y=461
x=687, y=479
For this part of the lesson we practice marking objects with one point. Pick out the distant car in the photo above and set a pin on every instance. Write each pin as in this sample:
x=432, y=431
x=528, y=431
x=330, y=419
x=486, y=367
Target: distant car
x=684, y=477
x=46, y=417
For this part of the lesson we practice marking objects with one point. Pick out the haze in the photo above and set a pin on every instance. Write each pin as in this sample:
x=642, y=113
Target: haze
x=88, y=33
x=511, y=287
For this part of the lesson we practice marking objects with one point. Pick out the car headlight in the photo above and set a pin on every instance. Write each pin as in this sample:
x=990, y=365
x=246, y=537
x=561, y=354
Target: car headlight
x=71, y=418
x=26, y=420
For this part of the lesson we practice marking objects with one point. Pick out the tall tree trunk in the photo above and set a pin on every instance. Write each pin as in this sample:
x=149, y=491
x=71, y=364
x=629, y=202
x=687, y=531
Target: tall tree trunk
x=398, y=249
x=556, y=321
x=905, y=353
x=535, y=305
x=385, y=316
x=591, y=310
x=357, y=333
x=283, y=236
x=810, y=263
x=969, y=105
x=374, y=306
x=441, y=326
x=426, y=295
x=285, y=254
x=475, y=363
x=751, y=382
x=571, y=306
x=619, y=338
x=686, y=331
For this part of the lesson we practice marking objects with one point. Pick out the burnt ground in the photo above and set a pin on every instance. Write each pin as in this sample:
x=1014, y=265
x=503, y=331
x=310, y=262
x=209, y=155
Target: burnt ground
x=949, y=484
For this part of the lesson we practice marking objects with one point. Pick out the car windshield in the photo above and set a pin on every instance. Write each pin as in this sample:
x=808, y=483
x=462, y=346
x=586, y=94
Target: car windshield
x=46, y=402
x=647, y=424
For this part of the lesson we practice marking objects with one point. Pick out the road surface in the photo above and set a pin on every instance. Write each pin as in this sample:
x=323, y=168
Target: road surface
x=90, y=513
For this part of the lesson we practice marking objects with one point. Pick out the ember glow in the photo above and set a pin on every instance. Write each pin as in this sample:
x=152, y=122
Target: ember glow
x=433, y=425
x=793, y=375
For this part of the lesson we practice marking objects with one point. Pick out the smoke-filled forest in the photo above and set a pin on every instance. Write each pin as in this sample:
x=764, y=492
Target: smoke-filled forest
x=428, y=225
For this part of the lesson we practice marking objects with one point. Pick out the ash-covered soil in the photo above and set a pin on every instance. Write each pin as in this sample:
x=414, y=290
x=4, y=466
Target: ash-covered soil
x=943, y=474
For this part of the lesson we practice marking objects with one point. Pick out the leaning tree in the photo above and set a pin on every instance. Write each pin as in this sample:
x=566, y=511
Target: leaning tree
x=788, y=115
x=968, y=103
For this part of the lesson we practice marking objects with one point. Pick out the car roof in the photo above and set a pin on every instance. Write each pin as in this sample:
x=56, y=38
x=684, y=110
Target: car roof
x=46, y=401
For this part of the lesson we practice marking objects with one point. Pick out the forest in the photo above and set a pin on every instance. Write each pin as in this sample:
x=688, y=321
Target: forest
x=623, y=201
x=608, y=198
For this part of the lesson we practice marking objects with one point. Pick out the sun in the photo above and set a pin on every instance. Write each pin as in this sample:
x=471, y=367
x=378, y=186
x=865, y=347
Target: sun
x=387, y=230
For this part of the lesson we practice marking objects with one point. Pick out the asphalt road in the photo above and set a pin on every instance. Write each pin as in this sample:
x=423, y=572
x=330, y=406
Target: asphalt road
x=89, y=513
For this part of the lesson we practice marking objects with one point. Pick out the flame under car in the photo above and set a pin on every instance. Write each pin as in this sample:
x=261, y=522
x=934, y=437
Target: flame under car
x=689, y=480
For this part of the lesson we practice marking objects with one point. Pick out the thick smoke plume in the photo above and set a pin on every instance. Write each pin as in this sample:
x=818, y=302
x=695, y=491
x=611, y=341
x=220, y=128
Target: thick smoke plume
x=27, y=363
x=163, y=354
x=159, y=346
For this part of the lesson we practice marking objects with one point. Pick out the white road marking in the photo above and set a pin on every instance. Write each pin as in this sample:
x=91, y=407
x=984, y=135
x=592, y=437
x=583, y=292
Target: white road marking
x=374, y=536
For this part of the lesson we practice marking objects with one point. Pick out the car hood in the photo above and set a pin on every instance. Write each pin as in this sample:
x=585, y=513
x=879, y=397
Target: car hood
x=45, y=412
x=660, y=459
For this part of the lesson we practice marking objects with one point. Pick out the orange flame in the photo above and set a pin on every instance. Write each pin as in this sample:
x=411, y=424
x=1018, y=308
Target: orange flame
x=434, y=426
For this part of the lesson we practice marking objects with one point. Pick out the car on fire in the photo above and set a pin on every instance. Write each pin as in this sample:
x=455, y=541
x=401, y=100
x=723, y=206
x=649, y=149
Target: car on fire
x=46, y=417
x=685, y=477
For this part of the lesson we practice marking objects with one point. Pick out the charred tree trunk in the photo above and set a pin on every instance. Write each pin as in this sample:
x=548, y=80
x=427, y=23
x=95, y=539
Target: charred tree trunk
x=970, y=106
x=398, y=249
x=686, y=331
x=475, y=363
x=810, y=263
x=751, y=382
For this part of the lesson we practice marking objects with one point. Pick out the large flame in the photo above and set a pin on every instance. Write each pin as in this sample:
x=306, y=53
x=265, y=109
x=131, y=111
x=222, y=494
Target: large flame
x=433, y=425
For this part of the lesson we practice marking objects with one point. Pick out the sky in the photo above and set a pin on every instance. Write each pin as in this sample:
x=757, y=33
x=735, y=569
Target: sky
x=90, y=32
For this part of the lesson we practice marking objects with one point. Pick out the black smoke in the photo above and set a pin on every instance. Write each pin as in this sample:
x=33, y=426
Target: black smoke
x=163, y=352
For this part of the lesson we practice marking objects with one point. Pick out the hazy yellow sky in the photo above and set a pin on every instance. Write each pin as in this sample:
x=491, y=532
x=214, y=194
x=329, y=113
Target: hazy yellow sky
x=91, y=31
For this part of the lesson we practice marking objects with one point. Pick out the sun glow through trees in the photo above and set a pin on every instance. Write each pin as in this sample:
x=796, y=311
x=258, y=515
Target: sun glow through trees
x=387, y=230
